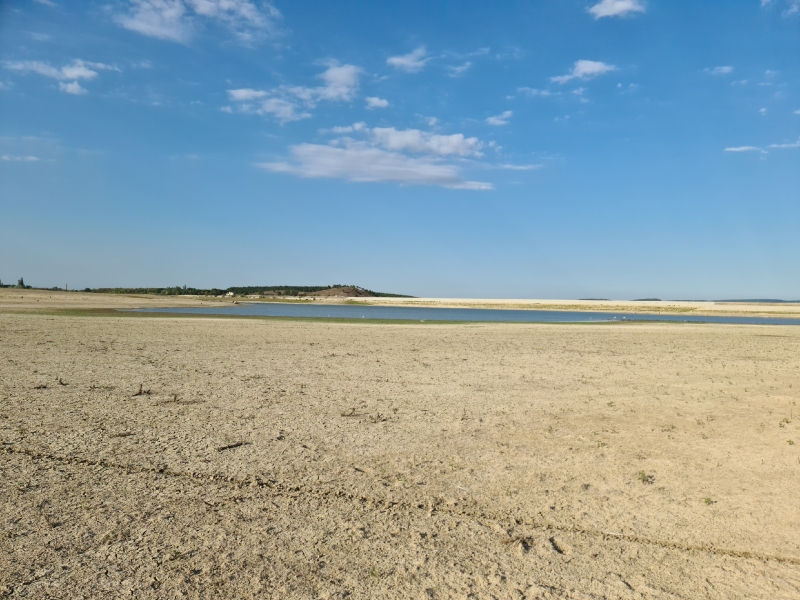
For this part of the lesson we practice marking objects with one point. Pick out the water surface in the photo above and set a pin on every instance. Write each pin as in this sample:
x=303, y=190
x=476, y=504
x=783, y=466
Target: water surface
x=419, y=313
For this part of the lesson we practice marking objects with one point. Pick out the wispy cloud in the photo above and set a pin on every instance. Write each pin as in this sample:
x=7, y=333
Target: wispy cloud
x=412, y=62
x=797, y=112
x=616, y=8
x=289, y=103
x=375, y=102
x=743, y=149
x=76, y=70
x=174, y=20
x=783, y=146
x=786, y=146
x=8, y=158
x=528, y=91
x=46, y=2
x=501, y=119
x=460, y=69
x=585, y=69
x=792, y=7
x=521, y=167
x=725, y=70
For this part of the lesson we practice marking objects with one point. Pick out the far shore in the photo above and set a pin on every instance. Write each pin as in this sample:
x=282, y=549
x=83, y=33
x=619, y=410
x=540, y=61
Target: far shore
x=14, y=300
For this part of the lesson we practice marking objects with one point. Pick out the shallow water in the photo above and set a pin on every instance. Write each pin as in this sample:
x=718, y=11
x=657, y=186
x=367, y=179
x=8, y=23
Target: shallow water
x=408, y=313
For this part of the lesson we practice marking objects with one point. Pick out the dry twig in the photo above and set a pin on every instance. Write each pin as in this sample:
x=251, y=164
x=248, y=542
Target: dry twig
x=142, y=392
x=233, y=445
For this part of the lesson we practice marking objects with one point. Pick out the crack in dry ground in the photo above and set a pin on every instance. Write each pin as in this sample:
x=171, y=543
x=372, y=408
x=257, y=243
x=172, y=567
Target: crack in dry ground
x=280, y=488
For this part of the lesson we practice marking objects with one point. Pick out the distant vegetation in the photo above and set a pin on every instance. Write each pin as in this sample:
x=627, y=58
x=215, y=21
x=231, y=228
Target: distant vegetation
x=291, y=291
x=20, y=285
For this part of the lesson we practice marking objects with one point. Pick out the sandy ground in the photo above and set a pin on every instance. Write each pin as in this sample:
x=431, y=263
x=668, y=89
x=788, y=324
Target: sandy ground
x=298, y=459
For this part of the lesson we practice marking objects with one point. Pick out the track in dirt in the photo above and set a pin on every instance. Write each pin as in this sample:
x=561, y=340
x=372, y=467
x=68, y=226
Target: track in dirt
x=285, y=489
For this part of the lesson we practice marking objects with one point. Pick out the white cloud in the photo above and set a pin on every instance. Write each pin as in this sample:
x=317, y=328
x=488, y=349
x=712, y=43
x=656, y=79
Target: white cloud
x=785, y=146
x=174, y=20
x=725, y=70
x=341, y=82
x=616, y=8
x=460, y=70
x=386, y=154
x=77, y=69
x=792, y=9
x=743, y=149
x=361, y=162
x=501, y=119
x=6, y=157
x=285, y=102
x=521, y=167
x=414, y=140
x=46, y=2
x=163, y=19
x=245, y=94
x=412, y=62
x=281, y=110
x=585, y=69
x=534, y=92
x=374, y=102
x=797, y=112
x=433, y=121
x=762, y=111
x=360, y=126
x=71, y=88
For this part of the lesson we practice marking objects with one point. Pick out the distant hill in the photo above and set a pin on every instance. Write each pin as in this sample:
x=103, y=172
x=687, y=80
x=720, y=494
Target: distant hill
x=293, y=291
x=349, y=291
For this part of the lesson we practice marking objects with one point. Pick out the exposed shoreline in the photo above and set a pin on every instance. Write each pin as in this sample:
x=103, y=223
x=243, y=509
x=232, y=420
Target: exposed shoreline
x=13, y=300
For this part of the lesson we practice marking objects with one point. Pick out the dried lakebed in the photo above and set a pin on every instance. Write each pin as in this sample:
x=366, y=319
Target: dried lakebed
x=157, y=457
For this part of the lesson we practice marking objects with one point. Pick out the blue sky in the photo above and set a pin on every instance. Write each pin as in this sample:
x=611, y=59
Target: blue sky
x=553, y=148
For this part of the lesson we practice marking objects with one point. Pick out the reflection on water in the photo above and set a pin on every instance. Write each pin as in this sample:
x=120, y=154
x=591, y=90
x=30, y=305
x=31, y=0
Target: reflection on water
x=418, y=313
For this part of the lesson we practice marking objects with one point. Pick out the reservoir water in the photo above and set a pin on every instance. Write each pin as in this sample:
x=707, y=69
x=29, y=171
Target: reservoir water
x=421, y=314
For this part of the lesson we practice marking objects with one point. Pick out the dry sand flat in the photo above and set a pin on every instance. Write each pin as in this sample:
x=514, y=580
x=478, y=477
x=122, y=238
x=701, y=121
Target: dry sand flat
x=298, y=459
x=770, y=309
